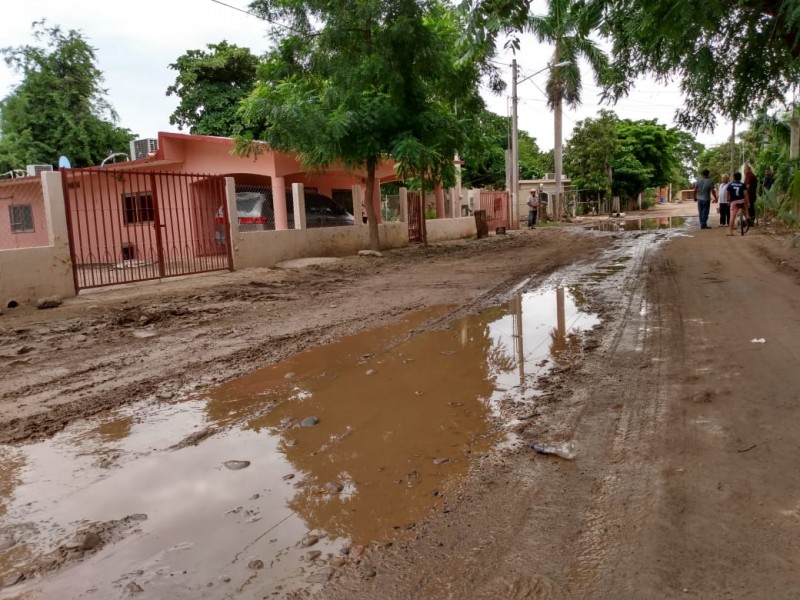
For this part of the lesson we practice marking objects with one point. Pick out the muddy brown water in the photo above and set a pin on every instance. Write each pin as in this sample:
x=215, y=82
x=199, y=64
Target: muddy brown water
x=402, y=413
x=645, y=224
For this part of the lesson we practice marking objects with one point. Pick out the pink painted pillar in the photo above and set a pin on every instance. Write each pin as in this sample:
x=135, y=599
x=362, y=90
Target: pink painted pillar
x=438, y=191
x=279, y=203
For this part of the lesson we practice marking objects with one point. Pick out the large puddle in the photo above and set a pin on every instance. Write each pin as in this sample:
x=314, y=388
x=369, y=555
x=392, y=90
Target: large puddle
x=646, y=224
x=338, y=447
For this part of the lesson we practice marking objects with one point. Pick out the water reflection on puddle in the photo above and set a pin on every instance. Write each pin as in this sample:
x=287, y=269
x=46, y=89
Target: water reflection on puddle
x=400, y=418
x=638, y=224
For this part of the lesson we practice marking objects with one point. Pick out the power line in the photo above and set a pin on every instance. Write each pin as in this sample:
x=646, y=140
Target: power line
x=252, y=14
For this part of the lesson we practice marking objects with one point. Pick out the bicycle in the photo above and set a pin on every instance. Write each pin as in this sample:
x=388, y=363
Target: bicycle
x=742, y=223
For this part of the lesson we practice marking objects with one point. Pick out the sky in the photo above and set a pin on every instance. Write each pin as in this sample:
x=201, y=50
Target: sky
x=136, y=41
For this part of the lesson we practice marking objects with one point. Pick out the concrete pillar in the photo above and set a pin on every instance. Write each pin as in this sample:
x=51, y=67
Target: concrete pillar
x=279, y=203
x=55, y=209
x=358, y=204
x=404, y=204
x=438, y=192
x=299, y=201
x=376, y=201
x=233, y=218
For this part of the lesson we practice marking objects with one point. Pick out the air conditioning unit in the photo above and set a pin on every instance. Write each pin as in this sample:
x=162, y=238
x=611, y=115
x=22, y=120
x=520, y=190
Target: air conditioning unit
x=34, y=170
x=143, y=148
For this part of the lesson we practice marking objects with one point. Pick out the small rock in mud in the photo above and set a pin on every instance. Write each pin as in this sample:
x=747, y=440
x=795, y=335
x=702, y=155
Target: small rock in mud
x=337, y=561
x=372, y=372
x=255, y=496
x=309, y=422
x=236, y=465
x=321, y=576
x=309, y=540
x=288, y=477
x=289, y=376
x=7, y=541
x=138, y=517
x=91, y=541
x=80, y=338
x=255, y=565
x=372, y=253
x=49, y=302
x=132, y=589
x=441, y=460
x=367, y=571
x=333, y=487
x=313, y=555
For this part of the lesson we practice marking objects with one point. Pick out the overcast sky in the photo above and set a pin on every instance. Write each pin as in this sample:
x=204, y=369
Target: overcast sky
x=136, y=41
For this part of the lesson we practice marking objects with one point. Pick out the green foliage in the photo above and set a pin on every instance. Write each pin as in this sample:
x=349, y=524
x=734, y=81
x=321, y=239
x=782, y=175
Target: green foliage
x=361, y=80
x=620, y=157
x=211, y=85
x=483, y=152
x=731, y=57
x=59, y=107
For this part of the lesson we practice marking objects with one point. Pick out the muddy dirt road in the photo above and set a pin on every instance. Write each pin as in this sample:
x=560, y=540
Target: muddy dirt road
x=201, y=439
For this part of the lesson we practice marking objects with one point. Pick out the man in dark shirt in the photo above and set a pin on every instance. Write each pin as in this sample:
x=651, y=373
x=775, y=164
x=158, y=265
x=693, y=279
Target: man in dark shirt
x=751, y=181
x=738, y=199
x=704, y=188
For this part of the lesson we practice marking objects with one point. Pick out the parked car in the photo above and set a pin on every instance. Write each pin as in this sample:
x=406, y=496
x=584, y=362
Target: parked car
x=255, y=212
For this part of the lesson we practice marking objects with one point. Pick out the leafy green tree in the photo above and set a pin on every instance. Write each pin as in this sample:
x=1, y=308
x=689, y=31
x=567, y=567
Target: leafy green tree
x=59, y=107
x=731, y=57
x=211, y=85
x=361, y=80
x=567, y=26
x=590, y=153
x=620, y=157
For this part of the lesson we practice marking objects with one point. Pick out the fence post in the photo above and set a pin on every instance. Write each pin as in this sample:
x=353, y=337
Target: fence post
x=403, y=204
x=279, y=204
x=299, y=200
x=233, y=219
x=358, y=204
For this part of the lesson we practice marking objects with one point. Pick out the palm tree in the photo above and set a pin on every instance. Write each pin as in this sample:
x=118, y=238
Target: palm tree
x=567, y=26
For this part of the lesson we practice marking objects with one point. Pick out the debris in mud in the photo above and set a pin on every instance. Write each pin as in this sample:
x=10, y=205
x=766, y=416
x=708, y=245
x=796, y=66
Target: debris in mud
x=309, y=541
x=565, y=450
x=132, y=588
x=309, y=422
x=312, y=555
x=255, y=565
x=49, y=302
x=288, y=477
x=236, y=465
x=758, y=341
x=195, y=438
x=370, y=253
x=372, y=372
x=442, y=460
x=333, y=487
x=321, y=576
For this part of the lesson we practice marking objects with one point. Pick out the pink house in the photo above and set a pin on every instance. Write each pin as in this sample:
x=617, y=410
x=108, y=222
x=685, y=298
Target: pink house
x=23, y=223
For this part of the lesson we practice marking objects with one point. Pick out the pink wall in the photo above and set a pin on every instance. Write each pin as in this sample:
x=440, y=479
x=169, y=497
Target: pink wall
x=23, y=191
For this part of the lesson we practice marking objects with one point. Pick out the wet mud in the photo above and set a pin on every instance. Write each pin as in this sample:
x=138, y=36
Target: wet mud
x=272, y=482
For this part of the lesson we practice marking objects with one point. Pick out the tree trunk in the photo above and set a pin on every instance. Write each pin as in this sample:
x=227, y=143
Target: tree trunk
x=557, y=154
x=794, y=144
x=372, y=218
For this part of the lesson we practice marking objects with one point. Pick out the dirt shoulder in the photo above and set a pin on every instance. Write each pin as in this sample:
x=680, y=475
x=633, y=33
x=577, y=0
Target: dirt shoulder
x=684, y=484
x=158, y=341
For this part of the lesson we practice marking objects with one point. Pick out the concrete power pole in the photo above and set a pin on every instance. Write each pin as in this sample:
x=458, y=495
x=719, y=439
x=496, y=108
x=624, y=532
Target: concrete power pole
x=514, y=208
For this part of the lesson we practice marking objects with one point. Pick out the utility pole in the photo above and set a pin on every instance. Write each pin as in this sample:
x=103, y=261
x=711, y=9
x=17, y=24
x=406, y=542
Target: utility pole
x=733, y=148
x=514, y=209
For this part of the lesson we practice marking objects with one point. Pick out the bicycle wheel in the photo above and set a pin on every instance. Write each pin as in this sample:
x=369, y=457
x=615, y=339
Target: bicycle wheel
x=744, y=224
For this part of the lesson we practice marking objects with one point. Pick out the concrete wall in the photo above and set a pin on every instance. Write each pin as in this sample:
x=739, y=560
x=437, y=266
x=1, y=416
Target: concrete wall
x=267, y=248
x=450, y=229
x=31, y=273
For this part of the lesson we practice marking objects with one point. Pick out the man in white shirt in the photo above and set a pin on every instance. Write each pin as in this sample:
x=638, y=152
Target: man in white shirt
x=724, y=207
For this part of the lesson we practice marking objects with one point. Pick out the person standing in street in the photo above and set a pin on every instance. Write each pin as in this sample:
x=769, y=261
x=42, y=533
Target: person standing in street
x=533, y=209
x=724, y=207
x=751, y=183
x=704, y=188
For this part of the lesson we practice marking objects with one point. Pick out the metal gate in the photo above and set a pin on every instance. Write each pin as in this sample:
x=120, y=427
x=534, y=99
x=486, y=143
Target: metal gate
x=496, y=206
x=127, y=225
x=414, y=218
